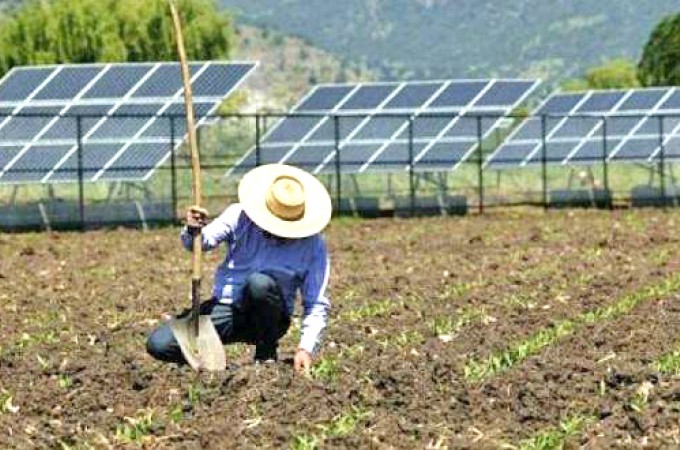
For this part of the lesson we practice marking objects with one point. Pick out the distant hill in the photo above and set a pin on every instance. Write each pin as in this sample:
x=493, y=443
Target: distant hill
x=553, y=39
x=289, y=67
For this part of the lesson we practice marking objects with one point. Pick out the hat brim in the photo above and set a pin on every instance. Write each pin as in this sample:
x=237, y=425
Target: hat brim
x=252, y=194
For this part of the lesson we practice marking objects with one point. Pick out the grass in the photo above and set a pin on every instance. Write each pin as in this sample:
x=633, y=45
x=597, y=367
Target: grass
x=6, y=405
x=556, y=438
x=134, y=429
x=340, y=426
x=450, y=325
x=669, y=364
x=479, y=370
x=326, y=369
x=377, y=309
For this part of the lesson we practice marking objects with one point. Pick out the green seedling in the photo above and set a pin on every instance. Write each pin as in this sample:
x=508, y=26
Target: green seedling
x=669, y=364
x=447, y=326
x=135, y=429
x=556, y=438
x=6, y=405
x=378, y=309
x=344, y=424
x=476, y=370
x=304, y=442
x=64, y=381
x=326, y=369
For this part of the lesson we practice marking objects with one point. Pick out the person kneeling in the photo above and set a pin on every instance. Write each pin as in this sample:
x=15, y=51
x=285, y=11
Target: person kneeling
x=275, y=249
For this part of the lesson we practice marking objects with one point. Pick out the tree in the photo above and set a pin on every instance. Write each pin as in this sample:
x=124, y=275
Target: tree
x=85, y=31
x=614, y=74
x=660, y=62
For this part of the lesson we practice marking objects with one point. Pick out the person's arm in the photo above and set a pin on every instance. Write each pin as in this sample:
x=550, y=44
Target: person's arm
x=219, y=230
x=316, y=306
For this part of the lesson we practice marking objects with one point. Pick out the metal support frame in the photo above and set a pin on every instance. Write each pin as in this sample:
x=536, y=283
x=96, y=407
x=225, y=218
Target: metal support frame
x=411, y=173
x=605, y=165
x=81, y=187
x=338, y=163
x=258, y=138
x=662, y=163
x=544, y=162
x=480, y=165
x=173, y=170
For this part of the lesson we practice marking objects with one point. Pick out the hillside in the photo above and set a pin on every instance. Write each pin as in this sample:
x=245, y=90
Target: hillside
x=288, y=67
x=444, y=38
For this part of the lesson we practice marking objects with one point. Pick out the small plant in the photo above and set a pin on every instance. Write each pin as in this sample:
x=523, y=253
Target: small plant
x=669, y=364
x=135, y=429
x=378, y=309
x=6, y=405
x=64, y=381
x=641, y=398
x=344, y=424
x=304, y=442
x=326, y=369
x=555, y=439
x=447, y=326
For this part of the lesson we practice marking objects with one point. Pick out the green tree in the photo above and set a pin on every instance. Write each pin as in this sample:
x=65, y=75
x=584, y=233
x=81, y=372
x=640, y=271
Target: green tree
x=660, y=62
x=614, y=74
x=83, y=31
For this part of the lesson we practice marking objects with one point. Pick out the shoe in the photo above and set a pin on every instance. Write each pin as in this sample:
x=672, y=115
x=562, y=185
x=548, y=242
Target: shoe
x=266, y=355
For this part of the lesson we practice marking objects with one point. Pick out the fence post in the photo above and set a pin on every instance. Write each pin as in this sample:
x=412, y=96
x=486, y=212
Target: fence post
x=81, y=186
x=605, y=165
x=480, y=165
x=258, y=131
x=173, y=170
x=411, y=174
x=662, y=162
x=338, y=181
x=544, y=161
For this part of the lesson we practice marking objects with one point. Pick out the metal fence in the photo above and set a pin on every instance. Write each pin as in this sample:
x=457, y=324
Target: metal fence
x=78, y=175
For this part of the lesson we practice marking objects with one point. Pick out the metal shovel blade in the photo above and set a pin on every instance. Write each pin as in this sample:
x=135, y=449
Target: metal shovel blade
x=202, y=352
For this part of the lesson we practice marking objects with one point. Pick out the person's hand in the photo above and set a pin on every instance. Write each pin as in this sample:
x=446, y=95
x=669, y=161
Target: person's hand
x=302, y=361
x=197, y=217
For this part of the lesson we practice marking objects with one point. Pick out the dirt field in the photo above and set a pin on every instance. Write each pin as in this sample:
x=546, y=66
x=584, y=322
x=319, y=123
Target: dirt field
x=525, y=330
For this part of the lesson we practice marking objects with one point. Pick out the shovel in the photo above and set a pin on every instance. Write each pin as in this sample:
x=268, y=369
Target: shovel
x=195, y=333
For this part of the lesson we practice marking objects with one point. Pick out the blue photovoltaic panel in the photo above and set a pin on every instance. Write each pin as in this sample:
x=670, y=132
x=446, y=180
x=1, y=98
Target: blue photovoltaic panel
x=458, y=94
x=93, y=155
x=413, y=96
x=135, y=162
x=642, y=100
x=672, y=103
x=632, y=130
x=108, y=92
x=368, y=97
x=67, y=83
x=373, y=124
x=504, y=93
x=325, y=98
x=19, y=84
x=35, y=163
x=118, y=81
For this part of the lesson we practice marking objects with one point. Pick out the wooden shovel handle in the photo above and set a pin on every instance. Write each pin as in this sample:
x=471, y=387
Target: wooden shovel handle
x=193, y=143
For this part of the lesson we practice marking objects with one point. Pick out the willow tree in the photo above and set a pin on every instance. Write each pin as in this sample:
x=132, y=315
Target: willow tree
x=83, y=31
x=660, y=62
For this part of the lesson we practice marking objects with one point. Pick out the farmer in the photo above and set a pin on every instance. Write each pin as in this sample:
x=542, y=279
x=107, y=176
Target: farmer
x=274, y=249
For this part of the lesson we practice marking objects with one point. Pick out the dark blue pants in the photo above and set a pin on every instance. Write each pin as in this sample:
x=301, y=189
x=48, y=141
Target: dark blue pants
x=260, y=319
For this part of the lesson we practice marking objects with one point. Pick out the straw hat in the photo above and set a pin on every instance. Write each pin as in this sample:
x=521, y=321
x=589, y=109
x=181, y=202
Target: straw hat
x=284, y=200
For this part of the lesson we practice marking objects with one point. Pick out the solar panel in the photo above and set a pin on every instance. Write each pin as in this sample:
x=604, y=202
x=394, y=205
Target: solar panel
x=373, y=125
x=115, y=145
x=575, y=128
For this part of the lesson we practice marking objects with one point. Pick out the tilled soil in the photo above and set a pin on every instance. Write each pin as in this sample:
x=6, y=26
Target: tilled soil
x=414, y=302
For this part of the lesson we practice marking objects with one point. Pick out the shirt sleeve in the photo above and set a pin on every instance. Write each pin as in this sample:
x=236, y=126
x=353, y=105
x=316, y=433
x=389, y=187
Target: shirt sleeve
x=219, y=230
x=315, y=301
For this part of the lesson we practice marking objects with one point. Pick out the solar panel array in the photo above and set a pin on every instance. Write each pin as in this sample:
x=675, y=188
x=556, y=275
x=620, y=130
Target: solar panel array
x=373, y=127
x=123, y=136
x=575, y=129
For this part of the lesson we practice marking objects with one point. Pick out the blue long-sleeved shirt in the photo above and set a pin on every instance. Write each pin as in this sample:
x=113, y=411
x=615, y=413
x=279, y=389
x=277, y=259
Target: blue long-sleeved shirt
x=296, y=264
